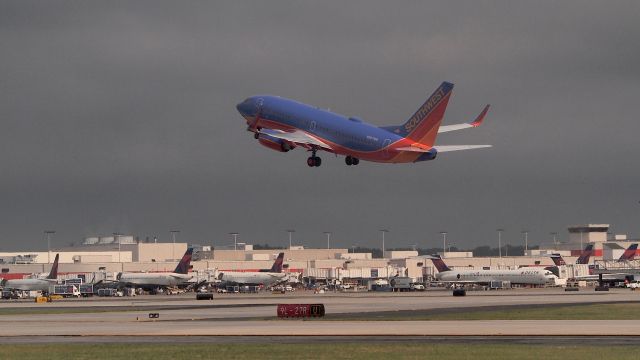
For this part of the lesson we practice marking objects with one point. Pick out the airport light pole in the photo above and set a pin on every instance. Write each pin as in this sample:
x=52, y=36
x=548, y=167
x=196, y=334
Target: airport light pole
x=328, y=233
x=117, y=239
x=554, y=239
x=383, y=231
x=526, y=240
x=173, y=247
x=500, y=242
x=290, y=231
x=444, y=243
x=235, y=240
x=48, y=234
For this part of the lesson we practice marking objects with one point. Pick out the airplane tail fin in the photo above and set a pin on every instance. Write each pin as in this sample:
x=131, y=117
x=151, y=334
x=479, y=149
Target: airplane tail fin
x=277, y=265
x=630, y=253
x=423, y=126
x=558, y=260
x=439, y=263
x=54, y=268
x=586, y=254
x=183, y=265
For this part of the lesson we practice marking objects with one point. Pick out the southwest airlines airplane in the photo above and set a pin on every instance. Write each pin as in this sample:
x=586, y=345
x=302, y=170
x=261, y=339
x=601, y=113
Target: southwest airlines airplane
x=282, y=124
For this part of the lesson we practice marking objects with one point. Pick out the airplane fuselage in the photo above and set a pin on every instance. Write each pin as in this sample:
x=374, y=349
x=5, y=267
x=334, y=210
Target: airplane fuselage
x=252, y=278
x=520, y=276
x=345, y=136
x=154, y=279
x=29, y=284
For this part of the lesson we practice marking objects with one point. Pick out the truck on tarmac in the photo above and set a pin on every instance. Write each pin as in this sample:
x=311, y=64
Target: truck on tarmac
x=64, y=290
x=109, y=292
x=401, y=283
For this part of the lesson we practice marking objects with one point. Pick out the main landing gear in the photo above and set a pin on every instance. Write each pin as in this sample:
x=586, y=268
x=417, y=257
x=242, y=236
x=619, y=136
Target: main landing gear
x=314, y=160
x=350, y=160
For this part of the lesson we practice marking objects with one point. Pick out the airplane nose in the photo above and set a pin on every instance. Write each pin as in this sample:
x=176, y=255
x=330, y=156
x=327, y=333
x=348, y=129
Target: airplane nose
x=244, y=107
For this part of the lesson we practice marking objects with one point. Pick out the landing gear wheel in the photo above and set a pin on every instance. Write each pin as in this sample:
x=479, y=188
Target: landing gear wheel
x=256, y=135
x=348, y=160
x=314, y=161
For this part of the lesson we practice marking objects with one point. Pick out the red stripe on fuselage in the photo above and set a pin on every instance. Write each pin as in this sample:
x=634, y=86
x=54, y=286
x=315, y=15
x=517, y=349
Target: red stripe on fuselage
x=385, y=155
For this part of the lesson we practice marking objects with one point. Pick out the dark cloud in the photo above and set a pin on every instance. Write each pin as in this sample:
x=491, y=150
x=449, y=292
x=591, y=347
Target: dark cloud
x=121, y=117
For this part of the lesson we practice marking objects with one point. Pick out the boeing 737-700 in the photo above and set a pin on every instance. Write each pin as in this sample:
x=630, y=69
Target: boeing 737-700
x=282, y=125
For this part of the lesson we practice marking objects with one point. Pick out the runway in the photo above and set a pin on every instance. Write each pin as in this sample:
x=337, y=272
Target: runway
x=289, y=339
x=254, y=316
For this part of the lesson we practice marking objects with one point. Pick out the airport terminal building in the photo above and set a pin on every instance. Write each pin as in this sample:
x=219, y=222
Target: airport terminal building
x=105, y=257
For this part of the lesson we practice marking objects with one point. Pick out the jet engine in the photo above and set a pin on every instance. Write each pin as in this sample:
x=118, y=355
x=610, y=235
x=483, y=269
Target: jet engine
x=274, y=143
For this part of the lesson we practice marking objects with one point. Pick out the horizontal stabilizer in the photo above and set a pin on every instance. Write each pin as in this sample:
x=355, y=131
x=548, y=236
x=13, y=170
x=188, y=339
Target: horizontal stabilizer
x=413, y=148
x=475, y=123
x=445, y=148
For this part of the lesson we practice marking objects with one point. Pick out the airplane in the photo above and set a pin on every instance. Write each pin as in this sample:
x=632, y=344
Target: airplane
x=153, y=281
x=585, y=255
x=520, y=276
x=282, y=124
x=266, y=278
x=35, y=284
x=628, y=255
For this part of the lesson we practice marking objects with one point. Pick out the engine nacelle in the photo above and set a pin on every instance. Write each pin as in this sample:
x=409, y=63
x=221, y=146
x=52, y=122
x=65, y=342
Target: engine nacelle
x=274, y=143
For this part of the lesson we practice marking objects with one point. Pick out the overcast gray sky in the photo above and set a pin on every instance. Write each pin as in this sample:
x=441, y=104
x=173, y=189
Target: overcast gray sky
x=120, y=116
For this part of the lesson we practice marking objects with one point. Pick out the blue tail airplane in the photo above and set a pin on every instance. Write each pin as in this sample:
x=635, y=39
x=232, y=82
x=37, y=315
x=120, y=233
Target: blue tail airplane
x=282, y=124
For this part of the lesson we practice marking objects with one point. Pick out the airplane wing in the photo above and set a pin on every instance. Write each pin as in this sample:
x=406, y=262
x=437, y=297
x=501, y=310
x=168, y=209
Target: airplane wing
x=474, y=123
x=442, y=148
x=297, y=136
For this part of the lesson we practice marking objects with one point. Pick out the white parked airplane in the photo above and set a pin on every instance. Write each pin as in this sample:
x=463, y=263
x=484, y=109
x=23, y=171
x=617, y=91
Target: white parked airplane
x=531, y=276
x=153, y=281
x=34, y=284
x=266, y=278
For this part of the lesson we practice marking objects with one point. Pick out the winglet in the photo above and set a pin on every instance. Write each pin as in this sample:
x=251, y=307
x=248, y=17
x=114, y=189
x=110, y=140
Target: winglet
x=480, y=118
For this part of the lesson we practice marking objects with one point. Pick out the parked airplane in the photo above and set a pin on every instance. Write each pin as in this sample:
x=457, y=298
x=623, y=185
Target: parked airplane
x=520, y=276
x=152, y=281
x=583, y=259
x=273, y=276
x=282, y=124
x=34, y=284
x=611, y=277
